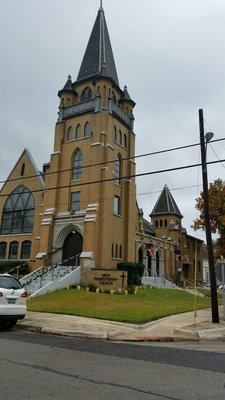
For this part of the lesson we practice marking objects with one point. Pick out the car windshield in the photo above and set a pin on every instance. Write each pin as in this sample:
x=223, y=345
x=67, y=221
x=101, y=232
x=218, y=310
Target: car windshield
x=8, y=282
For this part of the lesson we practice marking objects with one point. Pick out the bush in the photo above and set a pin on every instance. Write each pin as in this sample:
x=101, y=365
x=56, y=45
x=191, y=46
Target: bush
x=7, y=266
x=134, y=270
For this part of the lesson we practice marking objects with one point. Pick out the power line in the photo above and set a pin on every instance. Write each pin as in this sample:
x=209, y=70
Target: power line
x=214, y=151
x=128, y=177
x=110, y=161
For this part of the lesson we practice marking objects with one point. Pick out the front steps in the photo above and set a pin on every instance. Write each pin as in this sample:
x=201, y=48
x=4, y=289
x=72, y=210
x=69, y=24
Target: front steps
x=159, y=282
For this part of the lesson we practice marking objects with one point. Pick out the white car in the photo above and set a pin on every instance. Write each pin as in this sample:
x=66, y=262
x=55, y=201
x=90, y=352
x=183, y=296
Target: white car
x=12, y=301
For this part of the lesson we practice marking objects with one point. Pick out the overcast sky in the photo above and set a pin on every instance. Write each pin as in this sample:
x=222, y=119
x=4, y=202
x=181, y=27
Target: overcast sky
x=170, y=53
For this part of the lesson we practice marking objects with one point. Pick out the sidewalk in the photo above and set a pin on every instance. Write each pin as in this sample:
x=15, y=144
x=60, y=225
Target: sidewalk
x=174, y=328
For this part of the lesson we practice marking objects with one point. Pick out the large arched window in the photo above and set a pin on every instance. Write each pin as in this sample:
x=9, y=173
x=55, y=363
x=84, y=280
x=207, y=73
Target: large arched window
x=77, y=166
x=70, y=134
x=13, y=250
x=3, y=247
x=87, y=129
x=86, y=95
x=25, y=250
x=18, y=213
x=78, y=132
x=118, y=169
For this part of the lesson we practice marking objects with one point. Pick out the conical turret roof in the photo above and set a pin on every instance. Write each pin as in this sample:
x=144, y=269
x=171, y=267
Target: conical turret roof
x=166, y=204
x=98, y=59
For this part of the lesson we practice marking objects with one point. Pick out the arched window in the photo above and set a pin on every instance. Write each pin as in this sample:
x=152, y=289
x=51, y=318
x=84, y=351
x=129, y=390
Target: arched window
x=70, y=134
x=125, y=141
x=18, y=213
x=68, y=102
x=161, y=223
x=112, y=251
x=120, y=253
x=156, y=223
x=78, y=132
x=22, y=170
x=118, y=169
x=25, y=250
x=13, y=250
x=115, y=133
x=3, y=247
x=87, y=129
x=77, y=166
x=116, y=251
x=114, y=97
x=165, y=223
x=120, y=137
x=86, y=95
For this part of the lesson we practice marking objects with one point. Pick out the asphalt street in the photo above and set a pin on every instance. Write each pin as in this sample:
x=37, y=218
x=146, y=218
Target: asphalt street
x=34, y=366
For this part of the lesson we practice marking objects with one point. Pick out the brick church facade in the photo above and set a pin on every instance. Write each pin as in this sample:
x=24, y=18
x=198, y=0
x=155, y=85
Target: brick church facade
x=82, y=206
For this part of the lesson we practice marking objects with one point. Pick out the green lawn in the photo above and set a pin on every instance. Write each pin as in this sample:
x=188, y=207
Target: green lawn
x=146, y=305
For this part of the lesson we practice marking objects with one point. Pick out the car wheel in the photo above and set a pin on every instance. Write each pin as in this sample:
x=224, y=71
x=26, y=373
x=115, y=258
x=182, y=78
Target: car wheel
x=5, y=325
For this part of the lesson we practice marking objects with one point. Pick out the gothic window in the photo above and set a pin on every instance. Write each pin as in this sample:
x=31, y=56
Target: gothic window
x=120, y=137
x=70, y=135
x=68, y=102
x=3, y=247
x=87, y=129
x=161, y=223
x=18, y=213
x=116, y=251
x=115, y=134
x=117, y=205
x=78, y=132
x=118, y=169
x=13, y=250
x=112, y=251
x=125, y=141
x=77, y=166
x=156, y=223
x=86, y=95
x=114, y=97
x=75, y=201
x=22, y=170
x=165, y=223
x=120, y=252
x=25, y=250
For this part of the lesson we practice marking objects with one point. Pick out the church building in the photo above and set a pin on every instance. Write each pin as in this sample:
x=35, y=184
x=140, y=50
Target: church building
x=81, y=209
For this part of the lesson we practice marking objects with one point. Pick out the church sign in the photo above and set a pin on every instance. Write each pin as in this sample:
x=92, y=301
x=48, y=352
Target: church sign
x=107, y=279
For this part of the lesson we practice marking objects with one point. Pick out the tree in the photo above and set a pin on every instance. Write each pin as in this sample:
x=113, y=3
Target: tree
x=217, y=214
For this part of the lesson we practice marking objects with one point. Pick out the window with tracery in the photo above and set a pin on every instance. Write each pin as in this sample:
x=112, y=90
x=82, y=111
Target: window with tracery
x=86, y=95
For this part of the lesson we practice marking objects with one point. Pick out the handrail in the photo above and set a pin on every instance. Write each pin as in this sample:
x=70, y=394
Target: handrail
x=168, y=279
x=17, y=268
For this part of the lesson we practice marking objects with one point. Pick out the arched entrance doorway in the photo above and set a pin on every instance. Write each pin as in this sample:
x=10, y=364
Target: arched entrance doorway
x=72, y=246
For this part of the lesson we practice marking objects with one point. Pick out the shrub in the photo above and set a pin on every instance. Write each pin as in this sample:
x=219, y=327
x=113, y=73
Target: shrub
x=7, y=266
x=134, y=271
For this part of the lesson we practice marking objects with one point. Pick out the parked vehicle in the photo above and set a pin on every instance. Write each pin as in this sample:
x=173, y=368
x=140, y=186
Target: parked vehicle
x=12, y=301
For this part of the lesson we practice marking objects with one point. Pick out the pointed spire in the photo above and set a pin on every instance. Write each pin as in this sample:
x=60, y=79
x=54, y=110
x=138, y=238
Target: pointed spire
x=126, y=97
x=98, y=59
x=68, y=87
x=166, y=204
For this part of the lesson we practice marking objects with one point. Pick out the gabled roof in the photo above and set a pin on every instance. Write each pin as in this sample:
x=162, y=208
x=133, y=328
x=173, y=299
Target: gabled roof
x=98, y=59
x=166, y=204
x=68, y=87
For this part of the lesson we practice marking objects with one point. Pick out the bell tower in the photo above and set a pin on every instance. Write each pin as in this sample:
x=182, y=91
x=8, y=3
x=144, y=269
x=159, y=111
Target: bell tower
x=90, y=190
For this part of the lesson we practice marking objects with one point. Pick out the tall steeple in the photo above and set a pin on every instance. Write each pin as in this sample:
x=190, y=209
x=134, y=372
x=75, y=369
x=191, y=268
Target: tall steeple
x=166, y=204
x=98, y=59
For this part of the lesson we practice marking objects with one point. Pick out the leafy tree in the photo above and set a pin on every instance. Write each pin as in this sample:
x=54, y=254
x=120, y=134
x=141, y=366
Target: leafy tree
x=217, y=214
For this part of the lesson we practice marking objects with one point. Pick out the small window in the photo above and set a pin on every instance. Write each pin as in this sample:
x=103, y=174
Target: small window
x=78, y=132
x=70, y=134
x=77, y=166
x=120, y=137
x=118, y=169
x=125, y=141
x=165, y=223
x=117, y=205
x=13, y=250
x=75, y=201
x=161, y=223
x=115, y=133
x=114, y=97
x=68, y=102
x=112, y=250
x=116, y=251
x=3, y=247
x=87, y=129
x=86, y=94
x=156, y=223
x=25, y=250
x=120, y=252
x=22, y=170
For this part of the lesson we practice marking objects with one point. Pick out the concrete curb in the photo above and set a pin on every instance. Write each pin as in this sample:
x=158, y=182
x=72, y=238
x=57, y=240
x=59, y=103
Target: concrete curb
x=197, y=336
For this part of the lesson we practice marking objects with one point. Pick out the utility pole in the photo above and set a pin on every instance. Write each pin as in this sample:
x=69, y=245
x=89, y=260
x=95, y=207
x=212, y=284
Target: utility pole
x=214, y=300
